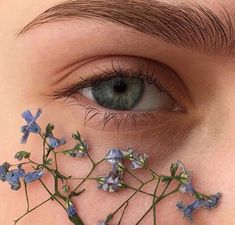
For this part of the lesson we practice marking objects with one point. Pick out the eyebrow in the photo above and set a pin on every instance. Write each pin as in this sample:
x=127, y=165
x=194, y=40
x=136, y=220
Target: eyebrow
x=190, y=26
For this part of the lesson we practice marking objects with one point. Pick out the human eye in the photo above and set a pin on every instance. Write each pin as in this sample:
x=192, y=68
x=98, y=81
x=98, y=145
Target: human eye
x=126, y=91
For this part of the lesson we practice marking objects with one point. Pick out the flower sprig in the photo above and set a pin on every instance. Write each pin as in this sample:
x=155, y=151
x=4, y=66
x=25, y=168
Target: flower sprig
x=121, y=161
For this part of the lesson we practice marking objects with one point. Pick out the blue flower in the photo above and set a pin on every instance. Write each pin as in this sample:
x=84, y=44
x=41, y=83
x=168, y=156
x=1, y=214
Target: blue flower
x=13, y=178
x=33, y=176
x=209, y=203
x=137, y=160
x=114, y=156
x=32, y=126
x=111, y=183
x=80, y=150
x=4, y=168
x=187, y=188
x=189, y=209
x=213, y=201
x=55, y=142
x=3, y=171
x=71, y=210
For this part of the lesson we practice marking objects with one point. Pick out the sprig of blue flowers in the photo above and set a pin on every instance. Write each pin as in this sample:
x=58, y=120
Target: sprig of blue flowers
x=121, y=162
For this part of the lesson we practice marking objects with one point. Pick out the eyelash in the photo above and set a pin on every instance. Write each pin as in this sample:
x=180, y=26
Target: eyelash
x=119, y=118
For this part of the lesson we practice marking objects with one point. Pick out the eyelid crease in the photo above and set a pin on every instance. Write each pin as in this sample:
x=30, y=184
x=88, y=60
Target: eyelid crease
x=109, y=74
x=157, y=73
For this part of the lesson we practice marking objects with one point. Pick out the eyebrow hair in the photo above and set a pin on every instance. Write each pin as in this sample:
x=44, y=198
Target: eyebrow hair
x=191, y=26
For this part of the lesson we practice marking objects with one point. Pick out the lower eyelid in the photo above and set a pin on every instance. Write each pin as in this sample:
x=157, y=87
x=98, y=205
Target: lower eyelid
x=126, y=121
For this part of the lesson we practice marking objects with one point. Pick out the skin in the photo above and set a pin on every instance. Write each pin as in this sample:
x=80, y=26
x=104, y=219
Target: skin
x=203, y=138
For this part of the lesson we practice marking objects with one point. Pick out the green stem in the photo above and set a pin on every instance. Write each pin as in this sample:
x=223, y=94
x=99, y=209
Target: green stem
x=152, y=172
x=44, y=146
x=20, y=164
x=136, y=189
x=200, y=195
x=82, y=178
x=75, y=219
x=16, y=221
x=162, y=196
x=119, y=222
x=141, y=186
x=133, y=175
x=30, y=161
x=56, y=165
x=51, y=194
x=87, y=177
x=92, y=161
x=27, y=197
x=154, y=208
x=91, y=171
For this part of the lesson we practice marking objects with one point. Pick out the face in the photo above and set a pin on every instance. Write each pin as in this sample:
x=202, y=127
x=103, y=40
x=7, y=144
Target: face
x=180, y=104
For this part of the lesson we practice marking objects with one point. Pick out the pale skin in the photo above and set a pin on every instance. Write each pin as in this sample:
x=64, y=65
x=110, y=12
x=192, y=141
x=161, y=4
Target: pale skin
x=203, y=138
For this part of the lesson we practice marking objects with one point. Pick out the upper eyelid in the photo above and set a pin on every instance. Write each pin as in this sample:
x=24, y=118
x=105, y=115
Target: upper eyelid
x=107, y=74
x=173, y=82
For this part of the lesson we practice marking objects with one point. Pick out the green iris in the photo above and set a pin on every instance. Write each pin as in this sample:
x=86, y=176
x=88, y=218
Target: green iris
x=119, y=93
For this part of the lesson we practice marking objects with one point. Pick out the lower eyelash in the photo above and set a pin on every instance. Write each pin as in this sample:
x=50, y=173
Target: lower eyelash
x=120, y=120
x=108, y=117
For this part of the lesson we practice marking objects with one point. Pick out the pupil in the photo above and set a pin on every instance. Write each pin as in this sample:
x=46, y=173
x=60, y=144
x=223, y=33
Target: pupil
x=120, y=87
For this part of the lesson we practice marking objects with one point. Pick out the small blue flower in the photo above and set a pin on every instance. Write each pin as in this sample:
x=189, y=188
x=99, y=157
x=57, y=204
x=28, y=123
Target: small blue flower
x=213, y=201
x=4, y=168
x=33, y=176
x=13, y=178
x=71, y=210
x=55, y=142
x=32, y=126
x=189, y=209
x=187, y=188
x=137, y=160
x=111, y=183
x=114, y=156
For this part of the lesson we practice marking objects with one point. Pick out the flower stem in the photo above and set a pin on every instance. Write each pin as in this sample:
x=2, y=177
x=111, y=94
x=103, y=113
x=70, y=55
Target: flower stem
x=119, y=222
x=154, y=208
x=88, y=175
x=16, y=221
x=133, y=175
x=162, y=196
x=44, y=145
x=136, y=189
x=51, y=194
x=141, y=186
x=56, y=165
x=27, y=197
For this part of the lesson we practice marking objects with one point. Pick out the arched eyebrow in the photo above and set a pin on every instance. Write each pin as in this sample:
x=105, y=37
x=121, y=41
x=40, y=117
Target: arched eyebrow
x=191, y=26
